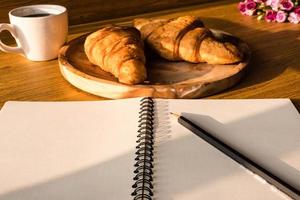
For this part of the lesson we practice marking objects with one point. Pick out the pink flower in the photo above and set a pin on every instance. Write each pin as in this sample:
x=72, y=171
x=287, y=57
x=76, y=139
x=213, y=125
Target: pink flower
x=297, y=10
x=286, y=5
x=274, y=4
x=270, y=15
x=248, y=7
x=294, y=18
x=242, y=7
x=277, y=10
x=281, y=16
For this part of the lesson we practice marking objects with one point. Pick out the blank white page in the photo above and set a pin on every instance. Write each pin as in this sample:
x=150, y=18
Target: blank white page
x=67, y=150
x=268, y=131
x=85, y=150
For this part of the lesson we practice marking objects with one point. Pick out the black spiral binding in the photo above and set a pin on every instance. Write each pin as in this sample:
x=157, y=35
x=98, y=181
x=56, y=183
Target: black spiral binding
x=144, y=155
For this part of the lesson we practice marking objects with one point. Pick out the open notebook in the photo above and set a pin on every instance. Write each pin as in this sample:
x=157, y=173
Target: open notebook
x=86, y=150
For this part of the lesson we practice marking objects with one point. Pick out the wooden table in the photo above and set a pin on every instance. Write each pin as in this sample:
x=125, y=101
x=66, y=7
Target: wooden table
x=274, y=71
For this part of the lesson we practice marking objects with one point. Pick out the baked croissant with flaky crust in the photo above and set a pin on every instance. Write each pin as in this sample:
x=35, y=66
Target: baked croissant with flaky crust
x=118, y=50
x=186, y=38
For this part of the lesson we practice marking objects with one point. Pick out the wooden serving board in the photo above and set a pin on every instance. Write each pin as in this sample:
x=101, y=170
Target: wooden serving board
x=166, y=79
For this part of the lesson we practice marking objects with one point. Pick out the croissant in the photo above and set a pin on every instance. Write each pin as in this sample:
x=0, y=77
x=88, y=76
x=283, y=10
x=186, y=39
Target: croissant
x=118, y=50
x=186, y=38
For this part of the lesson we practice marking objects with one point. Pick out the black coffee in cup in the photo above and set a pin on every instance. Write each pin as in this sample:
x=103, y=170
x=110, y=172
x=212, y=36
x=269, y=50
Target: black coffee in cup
x=37, y=15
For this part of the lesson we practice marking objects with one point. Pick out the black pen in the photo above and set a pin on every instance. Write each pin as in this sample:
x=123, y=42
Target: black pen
x=240, y=158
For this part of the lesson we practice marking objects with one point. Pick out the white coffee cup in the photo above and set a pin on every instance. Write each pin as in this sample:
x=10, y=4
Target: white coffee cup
x=39, y=31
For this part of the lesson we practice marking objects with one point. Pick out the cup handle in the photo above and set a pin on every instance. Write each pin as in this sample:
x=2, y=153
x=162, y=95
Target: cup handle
x=6, y=48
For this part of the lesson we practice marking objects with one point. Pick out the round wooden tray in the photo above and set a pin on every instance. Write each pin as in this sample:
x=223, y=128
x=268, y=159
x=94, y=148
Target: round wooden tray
x=166, y=79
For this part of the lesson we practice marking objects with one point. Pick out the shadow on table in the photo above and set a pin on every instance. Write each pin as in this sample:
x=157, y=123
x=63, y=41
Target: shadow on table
x=296, y=102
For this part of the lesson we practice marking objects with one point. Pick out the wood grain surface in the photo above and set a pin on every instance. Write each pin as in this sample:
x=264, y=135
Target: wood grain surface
x=273, y=73
x=165, y=79
x=95, y=10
